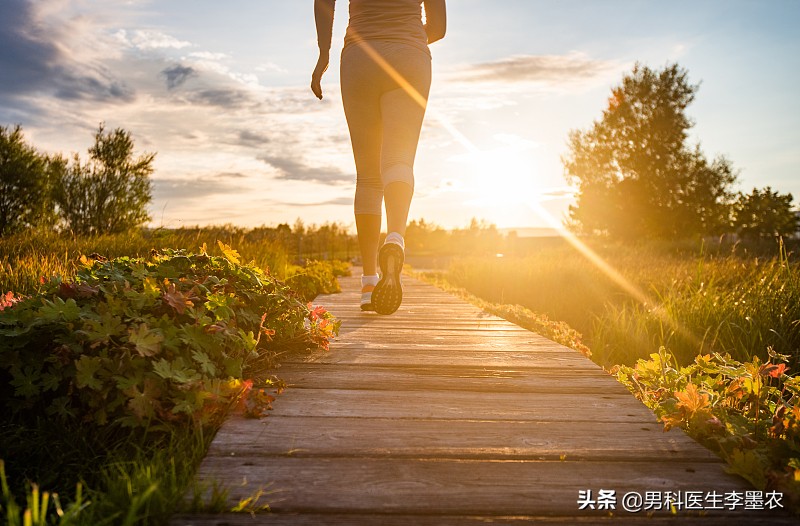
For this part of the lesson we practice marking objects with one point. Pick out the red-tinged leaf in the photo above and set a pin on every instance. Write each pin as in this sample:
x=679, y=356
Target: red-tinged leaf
x=177, y=299
x=773, y=370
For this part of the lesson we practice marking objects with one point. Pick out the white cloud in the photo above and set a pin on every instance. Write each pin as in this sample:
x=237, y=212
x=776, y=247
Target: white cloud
x=149, y=39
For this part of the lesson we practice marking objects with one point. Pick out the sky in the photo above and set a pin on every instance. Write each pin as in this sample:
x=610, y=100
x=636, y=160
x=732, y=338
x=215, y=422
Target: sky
x=219, y=90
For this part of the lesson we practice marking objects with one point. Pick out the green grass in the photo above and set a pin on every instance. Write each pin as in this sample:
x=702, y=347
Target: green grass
x=27, y=257
x=125, y=484
x=690, y=303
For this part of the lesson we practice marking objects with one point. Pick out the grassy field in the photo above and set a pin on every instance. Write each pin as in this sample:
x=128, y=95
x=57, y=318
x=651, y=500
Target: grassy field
x=691, y=302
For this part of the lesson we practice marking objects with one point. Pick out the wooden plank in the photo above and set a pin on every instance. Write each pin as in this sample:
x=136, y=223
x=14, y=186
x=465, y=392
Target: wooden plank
x=449, y=378
x=458, y=405
x=524, y=346
x=448, y=355
x=498, y=440
x=469, y=487
x=764, y=518
x=431, y=323
x=382, y=324
x=469, y=336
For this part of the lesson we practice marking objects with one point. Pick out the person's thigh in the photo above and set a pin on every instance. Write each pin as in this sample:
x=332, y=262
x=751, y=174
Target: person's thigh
x=361, y=98
x=402, y=110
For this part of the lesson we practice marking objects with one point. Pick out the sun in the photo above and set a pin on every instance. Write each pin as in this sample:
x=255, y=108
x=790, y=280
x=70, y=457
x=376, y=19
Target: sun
x=500, y=183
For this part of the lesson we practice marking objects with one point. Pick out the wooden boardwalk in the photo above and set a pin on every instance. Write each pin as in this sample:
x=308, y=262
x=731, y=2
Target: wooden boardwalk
x=443, y=414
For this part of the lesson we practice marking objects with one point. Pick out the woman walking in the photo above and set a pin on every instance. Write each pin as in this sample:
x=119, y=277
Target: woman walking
x=385, y=73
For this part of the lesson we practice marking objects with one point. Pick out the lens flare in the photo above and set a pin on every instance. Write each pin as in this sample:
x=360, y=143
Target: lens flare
x=581, y=247
x=624, y=283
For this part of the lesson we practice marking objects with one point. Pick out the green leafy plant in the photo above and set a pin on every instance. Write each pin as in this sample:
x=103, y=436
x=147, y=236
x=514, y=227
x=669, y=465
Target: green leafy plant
x=317, y=277
x=747, y=412
x=149, y=343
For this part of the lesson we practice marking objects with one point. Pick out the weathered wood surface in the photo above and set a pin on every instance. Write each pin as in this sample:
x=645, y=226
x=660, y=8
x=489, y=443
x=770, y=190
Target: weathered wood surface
x=443, y=414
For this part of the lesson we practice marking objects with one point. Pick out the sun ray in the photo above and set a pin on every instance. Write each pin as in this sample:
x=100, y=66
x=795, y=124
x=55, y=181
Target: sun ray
x=623, y=282
x=537, y=208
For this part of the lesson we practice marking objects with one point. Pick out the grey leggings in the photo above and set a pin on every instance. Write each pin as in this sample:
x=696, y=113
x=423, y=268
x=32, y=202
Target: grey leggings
x=385, y=88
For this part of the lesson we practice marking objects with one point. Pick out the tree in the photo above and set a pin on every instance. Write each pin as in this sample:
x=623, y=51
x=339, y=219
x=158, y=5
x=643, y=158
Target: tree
x=765, y=214
x=26, y=178
x=636, y=174
x=110, y=193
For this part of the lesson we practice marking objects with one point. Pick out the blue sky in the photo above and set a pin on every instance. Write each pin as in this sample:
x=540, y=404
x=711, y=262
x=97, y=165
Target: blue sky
x=219, y=91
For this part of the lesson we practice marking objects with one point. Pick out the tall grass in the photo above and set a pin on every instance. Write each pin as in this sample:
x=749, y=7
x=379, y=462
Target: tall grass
x=28, y=257
x=691, y=304
x=128, y=482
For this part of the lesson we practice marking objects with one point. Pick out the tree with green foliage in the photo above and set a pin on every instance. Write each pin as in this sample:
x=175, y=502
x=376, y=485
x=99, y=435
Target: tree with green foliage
x=765, y=214
x=111, y=191
x=26, y=179
x=636, y=175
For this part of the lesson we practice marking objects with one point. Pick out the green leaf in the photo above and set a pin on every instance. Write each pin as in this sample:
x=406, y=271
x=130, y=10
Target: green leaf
x=61, y=407
x=233, y=367
x=147, y=342
x=176, y=371
x=59, y=309
x=144, y=402
x=220, y=304
x=750, y=465
x=206, y=365
x=87, y=367
x=50, y=381
x=163, y=369
x=195, y=337
x=102, y=330
x=25, y=381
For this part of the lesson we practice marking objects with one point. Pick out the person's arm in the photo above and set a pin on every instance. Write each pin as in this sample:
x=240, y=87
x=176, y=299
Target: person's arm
x=323, y=16
x=435, y=20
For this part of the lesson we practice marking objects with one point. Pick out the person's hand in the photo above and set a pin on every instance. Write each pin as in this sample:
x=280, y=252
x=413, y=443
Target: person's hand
x=316, y=77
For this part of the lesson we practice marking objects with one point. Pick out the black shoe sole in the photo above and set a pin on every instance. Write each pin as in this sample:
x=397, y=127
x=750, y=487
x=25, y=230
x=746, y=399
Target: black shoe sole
x=388, y=293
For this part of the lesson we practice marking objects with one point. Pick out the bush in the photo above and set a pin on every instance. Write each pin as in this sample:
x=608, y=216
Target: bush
x=317, y=277
x=149, y=343
x=747, y=412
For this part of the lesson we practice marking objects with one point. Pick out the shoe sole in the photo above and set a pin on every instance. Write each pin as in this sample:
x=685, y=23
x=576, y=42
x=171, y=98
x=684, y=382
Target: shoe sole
x=388, y=293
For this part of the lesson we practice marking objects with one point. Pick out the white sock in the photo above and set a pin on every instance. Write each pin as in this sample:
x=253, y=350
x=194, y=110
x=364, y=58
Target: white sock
x=369, y=280
x=396, y=238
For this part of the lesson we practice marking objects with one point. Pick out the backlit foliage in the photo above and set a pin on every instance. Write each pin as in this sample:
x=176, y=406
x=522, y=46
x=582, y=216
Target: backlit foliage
x=150, y=341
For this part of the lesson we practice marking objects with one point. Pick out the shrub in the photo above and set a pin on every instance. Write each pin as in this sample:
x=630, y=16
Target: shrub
x=150, y=342
x=317, y=277
x=747, y=412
